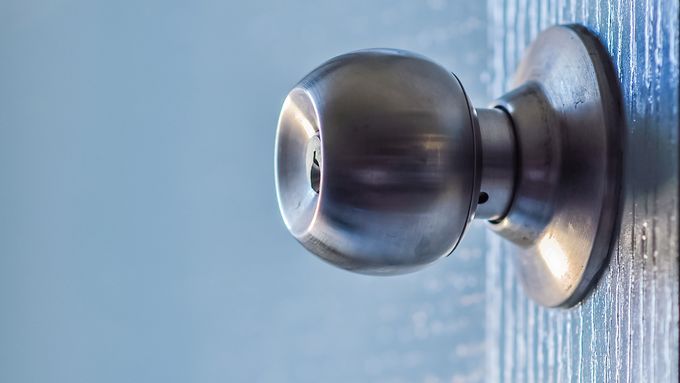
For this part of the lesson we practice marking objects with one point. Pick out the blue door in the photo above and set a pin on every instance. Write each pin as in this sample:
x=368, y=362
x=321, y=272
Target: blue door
x=626, y=330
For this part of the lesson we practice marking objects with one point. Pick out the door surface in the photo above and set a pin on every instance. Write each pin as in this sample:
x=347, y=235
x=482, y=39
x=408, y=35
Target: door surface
x=627, y=329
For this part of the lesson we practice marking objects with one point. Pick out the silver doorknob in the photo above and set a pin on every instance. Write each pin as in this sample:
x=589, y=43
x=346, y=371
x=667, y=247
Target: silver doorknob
x=379, y=161
x=382, y=162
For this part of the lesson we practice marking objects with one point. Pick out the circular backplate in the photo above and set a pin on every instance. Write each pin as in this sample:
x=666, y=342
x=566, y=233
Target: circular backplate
x=566, y=114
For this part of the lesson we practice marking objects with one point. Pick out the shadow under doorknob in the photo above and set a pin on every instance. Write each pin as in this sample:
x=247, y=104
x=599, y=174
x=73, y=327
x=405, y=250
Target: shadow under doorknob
x=382, y=162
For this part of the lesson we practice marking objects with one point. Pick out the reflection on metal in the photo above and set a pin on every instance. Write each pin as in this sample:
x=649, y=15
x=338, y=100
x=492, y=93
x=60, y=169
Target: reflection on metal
x=381, y=163
x=300, y=116
x=555, y=259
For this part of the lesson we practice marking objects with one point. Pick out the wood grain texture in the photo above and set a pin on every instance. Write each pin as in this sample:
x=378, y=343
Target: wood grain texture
x=627, y=328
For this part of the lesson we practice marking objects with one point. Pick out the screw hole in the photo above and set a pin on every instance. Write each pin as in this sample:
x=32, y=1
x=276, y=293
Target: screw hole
x=483, y=197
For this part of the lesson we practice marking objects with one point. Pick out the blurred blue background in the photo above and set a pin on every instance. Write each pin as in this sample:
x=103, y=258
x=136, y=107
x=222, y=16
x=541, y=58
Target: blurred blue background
x=140, y=238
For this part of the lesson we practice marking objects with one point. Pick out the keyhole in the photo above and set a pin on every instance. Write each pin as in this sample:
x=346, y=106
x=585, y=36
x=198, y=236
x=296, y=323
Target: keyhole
x=315, y=172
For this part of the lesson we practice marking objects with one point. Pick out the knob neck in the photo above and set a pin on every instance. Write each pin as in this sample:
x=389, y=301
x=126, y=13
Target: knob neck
x=498, y=164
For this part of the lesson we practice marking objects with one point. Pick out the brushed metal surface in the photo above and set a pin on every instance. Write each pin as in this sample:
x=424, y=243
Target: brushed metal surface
x=566, y=114
x=499, y=164
x=400, y=161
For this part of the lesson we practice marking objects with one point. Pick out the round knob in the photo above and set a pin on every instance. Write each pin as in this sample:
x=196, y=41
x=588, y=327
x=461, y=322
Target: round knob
x=378, y=161
x=382, y=162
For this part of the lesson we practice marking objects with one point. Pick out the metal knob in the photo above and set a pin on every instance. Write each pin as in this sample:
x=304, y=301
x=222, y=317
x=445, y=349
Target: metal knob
x=379, y=161
x=382, y=162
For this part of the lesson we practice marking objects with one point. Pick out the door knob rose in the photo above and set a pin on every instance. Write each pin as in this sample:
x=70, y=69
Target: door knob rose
x=382, y=162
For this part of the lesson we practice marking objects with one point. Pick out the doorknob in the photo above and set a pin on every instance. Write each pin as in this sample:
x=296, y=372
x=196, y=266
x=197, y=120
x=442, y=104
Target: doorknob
x=382, y=162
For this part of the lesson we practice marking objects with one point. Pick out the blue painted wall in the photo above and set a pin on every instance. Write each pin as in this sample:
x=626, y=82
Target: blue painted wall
x=139, y=233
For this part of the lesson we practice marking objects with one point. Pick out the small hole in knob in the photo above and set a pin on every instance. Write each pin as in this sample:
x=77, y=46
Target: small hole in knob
x=483, y=197
x=315, y=172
